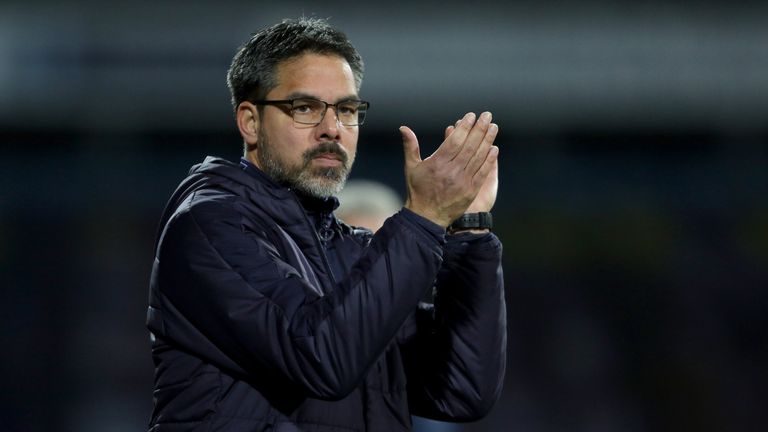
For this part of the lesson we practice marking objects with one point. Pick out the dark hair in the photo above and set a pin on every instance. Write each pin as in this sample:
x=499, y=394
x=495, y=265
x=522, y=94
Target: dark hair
x=252, y=73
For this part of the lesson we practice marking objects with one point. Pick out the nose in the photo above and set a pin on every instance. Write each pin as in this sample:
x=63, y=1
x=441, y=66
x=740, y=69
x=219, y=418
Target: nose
x=329, y=125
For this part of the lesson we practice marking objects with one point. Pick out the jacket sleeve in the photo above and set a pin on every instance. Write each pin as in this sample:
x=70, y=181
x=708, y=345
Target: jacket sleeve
x=227, y=296
x=456, y=361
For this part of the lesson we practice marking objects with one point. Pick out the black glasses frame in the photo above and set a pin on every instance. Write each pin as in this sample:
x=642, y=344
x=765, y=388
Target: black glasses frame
x=364, y=105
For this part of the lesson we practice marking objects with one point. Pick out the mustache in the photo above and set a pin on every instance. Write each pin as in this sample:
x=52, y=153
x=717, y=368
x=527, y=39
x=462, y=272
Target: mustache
x=328, y=147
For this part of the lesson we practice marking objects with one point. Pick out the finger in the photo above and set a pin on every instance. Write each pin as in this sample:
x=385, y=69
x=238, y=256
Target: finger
x=410, y=147
x=494, y=174
x=474, y=139
x=490, y=165
x=449, y=131
x=453, y=144
x=482, y=150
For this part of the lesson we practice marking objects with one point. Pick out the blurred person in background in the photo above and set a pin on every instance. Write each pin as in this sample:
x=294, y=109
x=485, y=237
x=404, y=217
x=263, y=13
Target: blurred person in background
x=367, y=204
x=267, y=313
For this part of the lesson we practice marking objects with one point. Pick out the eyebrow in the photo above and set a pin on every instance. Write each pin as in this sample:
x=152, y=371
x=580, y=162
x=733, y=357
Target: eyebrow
x=302, y=95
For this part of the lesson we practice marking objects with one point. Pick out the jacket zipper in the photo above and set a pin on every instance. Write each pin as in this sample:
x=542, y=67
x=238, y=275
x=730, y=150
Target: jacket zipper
x=320, y=245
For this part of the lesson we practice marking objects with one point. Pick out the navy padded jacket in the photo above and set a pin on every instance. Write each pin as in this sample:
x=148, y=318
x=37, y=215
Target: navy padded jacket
x=252, y=331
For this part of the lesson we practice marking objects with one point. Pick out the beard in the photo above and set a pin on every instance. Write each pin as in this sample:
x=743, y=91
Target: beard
x=321, y=182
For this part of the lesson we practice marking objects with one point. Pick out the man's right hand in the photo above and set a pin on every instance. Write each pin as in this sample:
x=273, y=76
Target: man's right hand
x=442, y=186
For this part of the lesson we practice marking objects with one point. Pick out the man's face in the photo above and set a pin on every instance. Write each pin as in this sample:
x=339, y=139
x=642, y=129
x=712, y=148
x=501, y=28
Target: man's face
x=315, y=160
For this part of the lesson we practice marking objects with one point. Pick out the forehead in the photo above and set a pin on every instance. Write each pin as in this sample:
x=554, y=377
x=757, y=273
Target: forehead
x=323, y=76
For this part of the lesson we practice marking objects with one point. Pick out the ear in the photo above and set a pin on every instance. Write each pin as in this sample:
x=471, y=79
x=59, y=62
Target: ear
x=248, y=122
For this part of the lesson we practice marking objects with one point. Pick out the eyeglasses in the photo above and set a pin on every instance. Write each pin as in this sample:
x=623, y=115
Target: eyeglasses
x=308, y=111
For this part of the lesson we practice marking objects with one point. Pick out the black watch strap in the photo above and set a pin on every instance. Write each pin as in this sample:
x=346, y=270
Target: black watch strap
x=482, y=220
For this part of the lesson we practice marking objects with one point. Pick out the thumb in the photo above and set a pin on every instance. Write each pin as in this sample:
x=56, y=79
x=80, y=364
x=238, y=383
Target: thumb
x=410, y=147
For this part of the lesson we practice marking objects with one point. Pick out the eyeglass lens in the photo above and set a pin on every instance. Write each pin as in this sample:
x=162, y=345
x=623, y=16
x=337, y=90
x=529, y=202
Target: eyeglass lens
x=312, y=111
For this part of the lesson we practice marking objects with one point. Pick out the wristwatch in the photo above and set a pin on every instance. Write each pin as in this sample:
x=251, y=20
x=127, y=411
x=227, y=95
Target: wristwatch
x=467, y=221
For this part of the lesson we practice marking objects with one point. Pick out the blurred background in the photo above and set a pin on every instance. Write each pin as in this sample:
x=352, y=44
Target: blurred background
x=633, y=203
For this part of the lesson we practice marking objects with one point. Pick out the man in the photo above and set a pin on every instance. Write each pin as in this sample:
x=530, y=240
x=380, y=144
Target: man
x=268, y=314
